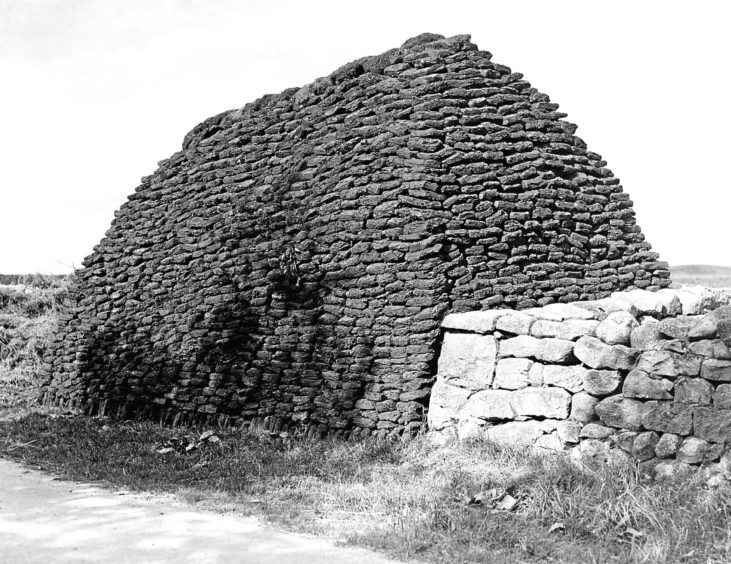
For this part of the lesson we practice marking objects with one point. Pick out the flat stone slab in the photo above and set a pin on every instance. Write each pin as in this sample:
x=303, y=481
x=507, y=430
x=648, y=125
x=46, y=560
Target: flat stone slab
x=47, y=520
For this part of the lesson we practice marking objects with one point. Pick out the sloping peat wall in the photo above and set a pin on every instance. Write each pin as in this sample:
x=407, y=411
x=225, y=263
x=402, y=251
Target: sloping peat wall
x=293, y=262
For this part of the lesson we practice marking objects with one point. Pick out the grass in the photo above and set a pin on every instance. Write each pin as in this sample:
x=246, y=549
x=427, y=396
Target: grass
x=411, y=499
x=469, y=502
x=28, y=315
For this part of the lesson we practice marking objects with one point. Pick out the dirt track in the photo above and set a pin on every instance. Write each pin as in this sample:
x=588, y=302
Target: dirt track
x=51, y=521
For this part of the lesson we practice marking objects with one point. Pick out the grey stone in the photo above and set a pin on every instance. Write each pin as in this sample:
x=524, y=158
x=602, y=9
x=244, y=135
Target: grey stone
x=693, y=390
x=713, y=452
x=721, y=397
x=692, y=450
x=676, y=327
x=643, y=447
x=541, y=402
x=490, y=405
x=713, y=425
x=646, y=336
x=672, y=471
x=626, y=440
x=668, y=445
x=596, y=431
x=515, y=322
x=570, y=378
x=560, y=312
x=654, y=303
x=568, y=431
x=705, y=328
x=572, y=329
x=535, y=375
x=594, y=452
x=545, y=328
x=554, y=350
x=512, y=373
x=620, y=412
x=717, y=370
x=668, y=417
x=668, y=363
x=639, y=384
x=469, y=359
x=583, y=407
x=711, y=349
x=602, y=382
x=520, y=346
x=446, y=400
x=617, y=328
x=474, y=321
x=597, y=354
x=617, y=302
x=519, y=433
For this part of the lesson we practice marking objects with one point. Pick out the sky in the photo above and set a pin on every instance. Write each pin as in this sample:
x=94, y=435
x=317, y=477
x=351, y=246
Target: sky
x=93, y=93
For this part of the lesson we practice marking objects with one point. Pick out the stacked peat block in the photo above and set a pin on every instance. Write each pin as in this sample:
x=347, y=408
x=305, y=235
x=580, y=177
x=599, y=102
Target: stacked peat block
x=643, y=374
x=293, y=262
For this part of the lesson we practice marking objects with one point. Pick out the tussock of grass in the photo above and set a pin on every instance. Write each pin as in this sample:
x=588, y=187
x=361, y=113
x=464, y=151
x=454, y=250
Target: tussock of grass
x=27, y=319
x=411, y=499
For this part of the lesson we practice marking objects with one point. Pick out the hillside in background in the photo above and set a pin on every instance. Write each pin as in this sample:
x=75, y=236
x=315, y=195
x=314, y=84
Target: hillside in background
x=703, y=274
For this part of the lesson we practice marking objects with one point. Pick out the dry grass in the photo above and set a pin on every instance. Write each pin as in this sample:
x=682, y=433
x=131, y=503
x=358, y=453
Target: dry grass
x=413, y=499
x=703, y=275
x=27, y=319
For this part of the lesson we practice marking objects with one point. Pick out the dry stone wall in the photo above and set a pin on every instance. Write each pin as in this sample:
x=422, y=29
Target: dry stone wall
x=643, y=374
x=293, y=262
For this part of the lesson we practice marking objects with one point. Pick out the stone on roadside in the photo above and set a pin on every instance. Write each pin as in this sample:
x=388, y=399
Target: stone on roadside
x=644, y=445
x=553, y=403
x=596, y=431
x=469, y=359
x=554, y=350
x=474, y=321
x=549, y=442
x=521, y=346
x=639, y=384
x=512, y=373
x=668, y=363
x=721, y=396
x=653, y=303
x=570, y=378
x=620, y=412
x=515, y=322
x=692, y=450
x=710, y=349
x=572, y=329
x=597, y=354
x=490, y=405
x=602, y=382
x=672, y=470
x=694, y=391
x=676, y=327
x=668, y=445
x=446, y=400
x=713, y=425
x=616, y=328
x=568, y=431
x=717, y=370
x=520, y=433
x=560, y=312
x=583, y=407
x=668, y=417
x=646, y=336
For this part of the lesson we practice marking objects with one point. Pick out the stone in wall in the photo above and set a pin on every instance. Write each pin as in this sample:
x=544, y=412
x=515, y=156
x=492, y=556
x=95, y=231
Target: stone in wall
x=648, y=380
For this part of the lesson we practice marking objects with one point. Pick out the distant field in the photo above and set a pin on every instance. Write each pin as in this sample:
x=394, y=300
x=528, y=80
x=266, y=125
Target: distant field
x=703, y=274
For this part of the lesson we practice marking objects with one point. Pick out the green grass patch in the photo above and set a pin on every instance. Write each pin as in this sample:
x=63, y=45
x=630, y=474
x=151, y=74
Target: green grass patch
x=474, y=502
